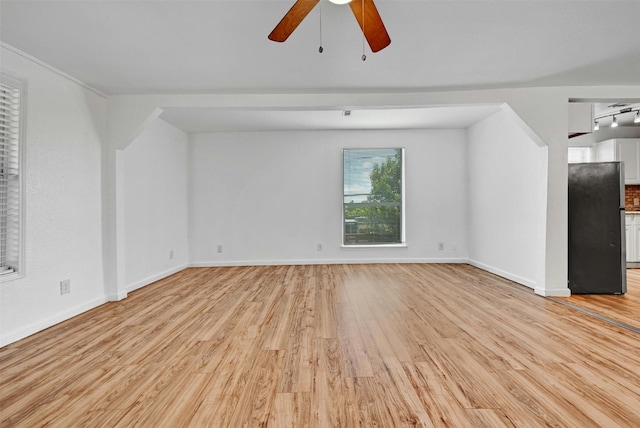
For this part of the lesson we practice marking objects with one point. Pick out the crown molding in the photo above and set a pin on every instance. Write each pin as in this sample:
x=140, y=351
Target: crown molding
x=51, y=68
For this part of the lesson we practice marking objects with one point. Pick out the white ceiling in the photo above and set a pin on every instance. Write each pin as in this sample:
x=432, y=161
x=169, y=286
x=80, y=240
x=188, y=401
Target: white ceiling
x=209, y=46
x=195, y=120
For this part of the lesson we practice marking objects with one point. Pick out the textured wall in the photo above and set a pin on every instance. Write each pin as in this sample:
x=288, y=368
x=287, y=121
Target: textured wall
x=506, y=200
x=65, y=127
x=273, y=197
x=155, y=204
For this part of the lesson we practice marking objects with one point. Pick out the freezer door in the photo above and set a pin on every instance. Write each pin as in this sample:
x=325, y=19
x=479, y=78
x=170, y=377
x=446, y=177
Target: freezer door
x=597, y=259
x=623, y=247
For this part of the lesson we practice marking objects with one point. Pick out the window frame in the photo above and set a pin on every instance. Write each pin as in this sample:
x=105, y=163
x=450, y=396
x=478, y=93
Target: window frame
x=19, y=84
x=403, y=241
x=581, y=149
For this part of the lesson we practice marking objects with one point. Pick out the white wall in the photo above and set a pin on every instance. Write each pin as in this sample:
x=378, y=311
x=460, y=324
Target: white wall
x=65, y=127
x=507, y=181
x=155, y=204
x=273, y=197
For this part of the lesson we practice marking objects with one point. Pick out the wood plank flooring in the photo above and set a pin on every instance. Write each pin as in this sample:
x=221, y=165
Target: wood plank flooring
x=623, y=308
x=325, y=346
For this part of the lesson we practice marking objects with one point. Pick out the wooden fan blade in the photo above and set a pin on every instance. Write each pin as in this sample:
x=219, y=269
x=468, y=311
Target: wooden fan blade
x=372, y=25
x=292, y=19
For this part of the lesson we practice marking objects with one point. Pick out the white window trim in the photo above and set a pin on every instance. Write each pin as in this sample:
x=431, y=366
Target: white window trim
x=403, y=245
x=19, y=83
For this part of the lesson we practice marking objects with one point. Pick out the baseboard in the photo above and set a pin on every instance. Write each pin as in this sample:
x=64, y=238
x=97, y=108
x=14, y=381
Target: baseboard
x=117, y=297
x=556, y=292
x=508, y=275
x=320, y=262
x=51, y=321
x=153, y=278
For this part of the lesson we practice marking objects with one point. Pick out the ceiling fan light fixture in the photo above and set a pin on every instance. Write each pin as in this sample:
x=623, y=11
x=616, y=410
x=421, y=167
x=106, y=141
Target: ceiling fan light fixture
x=364, y=11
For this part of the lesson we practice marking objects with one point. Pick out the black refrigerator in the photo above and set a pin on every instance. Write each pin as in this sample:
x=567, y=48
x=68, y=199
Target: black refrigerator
x=597, y=251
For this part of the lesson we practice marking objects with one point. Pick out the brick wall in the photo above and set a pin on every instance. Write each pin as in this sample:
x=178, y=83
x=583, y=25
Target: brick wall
x=630, y=193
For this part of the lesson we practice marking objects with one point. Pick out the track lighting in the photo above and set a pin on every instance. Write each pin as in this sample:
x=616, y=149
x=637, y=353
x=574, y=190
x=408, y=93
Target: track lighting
x=614, y=115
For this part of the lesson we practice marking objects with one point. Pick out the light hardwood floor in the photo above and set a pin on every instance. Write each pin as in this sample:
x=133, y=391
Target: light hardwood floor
x=326, y=346
x=621, y=308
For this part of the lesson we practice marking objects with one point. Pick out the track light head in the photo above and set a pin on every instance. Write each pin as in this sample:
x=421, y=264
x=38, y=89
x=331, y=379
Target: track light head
x=614, y=115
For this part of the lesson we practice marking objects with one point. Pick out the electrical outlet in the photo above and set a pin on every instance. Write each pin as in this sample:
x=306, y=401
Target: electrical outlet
x=65, y=286
x=170, y=254
x=440, y=246
x=636, y=202
x=219, y=248
x=319, y=247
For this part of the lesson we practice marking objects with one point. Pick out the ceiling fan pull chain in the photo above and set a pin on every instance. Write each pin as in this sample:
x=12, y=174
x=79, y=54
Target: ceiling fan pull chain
x=364, y=57
x=320, y=49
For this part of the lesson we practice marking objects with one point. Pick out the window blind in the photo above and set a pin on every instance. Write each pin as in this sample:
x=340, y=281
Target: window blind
x=579, y=154
x=10, y=108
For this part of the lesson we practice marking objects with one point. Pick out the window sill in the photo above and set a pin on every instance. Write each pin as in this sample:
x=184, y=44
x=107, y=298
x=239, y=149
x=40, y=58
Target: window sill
x=404, y=245
x=11, y=276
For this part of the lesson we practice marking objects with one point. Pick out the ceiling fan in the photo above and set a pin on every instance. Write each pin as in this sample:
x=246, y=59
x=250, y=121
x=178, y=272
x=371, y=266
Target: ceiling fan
x=365, y=12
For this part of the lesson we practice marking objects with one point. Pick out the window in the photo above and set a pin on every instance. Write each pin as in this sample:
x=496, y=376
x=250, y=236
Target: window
x=579, y=154
x=373, y=197
x=11, y=137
